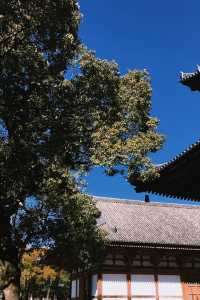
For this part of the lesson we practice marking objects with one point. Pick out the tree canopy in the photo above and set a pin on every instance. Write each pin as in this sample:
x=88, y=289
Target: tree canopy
x=62, y=112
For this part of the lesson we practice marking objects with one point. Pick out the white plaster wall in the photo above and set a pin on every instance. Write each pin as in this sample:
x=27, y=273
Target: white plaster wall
x=143, y=285
x=169, y=285
x=114, y=284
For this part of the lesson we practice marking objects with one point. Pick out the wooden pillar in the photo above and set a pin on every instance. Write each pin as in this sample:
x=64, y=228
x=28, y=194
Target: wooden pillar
x=100, y=287
x=129, y=285
x=88, y=294
x=156, y=283
x=185, y=289
x=81, y=287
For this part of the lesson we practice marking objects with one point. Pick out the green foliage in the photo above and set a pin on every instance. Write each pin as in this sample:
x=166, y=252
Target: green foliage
x=62, y=111
x=124, y=145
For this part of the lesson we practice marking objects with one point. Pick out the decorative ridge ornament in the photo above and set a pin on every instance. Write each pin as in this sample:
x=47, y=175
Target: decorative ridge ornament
x=191, y=80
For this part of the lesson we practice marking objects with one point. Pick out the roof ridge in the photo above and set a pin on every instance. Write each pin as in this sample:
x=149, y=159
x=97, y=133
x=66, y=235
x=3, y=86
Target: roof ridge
x=141, y=202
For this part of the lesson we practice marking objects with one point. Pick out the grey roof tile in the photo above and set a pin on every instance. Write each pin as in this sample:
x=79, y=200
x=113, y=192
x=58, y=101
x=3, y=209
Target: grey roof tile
x=138, y=222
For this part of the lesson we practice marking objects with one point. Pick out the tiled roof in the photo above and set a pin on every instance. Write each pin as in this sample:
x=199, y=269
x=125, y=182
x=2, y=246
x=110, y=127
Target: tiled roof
x=141, y=223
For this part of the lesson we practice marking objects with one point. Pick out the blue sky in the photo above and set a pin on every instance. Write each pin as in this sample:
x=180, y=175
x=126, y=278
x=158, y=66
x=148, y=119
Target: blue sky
x=162, y=37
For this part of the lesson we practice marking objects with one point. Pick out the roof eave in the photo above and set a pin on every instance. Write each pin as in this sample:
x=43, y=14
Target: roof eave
x=172, y=168
x=149, y=246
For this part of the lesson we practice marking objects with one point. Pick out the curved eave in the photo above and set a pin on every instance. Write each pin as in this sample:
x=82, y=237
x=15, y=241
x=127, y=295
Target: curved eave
x=191, y=80
x=179, y=178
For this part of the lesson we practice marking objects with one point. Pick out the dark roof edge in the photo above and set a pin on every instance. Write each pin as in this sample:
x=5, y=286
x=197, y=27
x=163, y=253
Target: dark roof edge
x=142, y=189
x=149, y=186
x=152, y=246
x=186, y=76
x=179, y=156
x=192, y=80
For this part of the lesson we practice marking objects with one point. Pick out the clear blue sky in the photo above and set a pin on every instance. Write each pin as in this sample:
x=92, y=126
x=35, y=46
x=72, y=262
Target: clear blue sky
x=164, y=38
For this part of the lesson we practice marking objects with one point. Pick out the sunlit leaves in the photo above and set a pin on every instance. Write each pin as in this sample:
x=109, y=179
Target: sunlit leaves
x=38, y=278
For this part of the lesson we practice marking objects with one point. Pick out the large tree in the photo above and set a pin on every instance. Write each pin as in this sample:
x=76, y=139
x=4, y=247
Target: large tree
x=62, y=111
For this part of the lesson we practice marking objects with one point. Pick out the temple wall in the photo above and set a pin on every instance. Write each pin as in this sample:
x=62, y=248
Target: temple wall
x=142, y=277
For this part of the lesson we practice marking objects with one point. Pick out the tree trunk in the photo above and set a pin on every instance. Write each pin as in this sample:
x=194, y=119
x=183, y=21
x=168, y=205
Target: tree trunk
x=11, y=292
x=9, y=261
x=48, y=291
x=10, y=280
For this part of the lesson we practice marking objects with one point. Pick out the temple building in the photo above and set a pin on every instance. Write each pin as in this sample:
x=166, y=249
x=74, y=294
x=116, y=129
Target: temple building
x=152, y=253
x=152, y=249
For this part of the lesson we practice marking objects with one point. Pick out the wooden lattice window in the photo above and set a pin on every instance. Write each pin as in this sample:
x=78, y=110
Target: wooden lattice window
x=192, y=289
x=142, y=261
x=168, y=262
